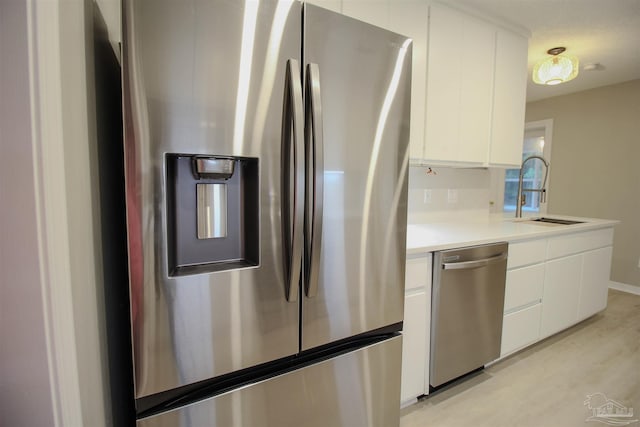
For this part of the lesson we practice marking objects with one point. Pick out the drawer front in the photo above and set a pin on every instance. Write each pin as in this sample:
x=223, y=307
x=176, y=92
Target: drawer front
x=418, y=273
x=579, y=242
x=526, y=253
x=359, y=388
x=524, y=286
x=520, y=328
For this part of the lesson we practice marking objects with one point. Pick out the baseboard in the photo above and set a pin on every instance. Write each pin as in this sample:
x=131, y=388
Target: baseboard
x=624, y=287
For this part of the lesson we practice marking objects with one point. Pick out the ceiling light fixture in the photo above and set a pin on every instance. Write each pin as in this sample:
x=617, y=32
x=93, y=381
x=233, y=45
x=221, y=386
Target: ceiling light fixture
x=556, y=69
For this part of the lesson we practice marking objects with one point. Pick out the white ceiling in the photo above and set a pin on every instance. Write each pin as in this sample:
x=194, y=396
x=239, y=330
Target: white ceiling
x=596, y=31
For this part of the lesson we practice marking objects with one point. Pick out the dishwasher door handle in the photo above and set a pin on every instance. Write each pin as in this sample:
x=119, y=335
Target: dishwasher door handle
x=466, y=265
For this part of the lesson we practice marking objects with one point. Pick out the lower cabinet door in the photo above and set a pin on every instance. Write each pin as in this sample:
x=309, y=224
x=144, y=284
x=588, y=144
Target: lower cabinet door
x=414, y=347
x=524, y=286
x=520, y=328
x=359, y=388
x=560, y=295
x=595, y=282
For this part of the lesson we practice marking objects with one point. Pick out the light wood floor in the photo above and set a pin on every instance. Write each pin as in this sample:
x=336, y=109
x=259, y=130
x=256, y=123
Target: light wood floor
x=548, y=383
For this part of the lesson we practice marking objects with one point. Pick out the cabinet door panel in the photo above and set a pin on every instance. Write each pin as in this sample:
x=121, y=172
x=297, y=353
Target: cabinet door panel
x=595, y=282
x=418, y=272
x=476, y=89
x=520, y=328
x=459, y=86
x=560, y=296
x=443, y=84
x=524, y=286
x=509, y=99
x=414, y=346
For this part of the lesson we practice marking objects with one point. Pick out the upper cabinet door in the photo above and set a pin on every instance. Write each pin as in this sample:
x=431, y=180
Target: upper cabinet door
x=468, y=80
x=410, y=19
x=509, y=99
x=459, y=86
x=443, y=85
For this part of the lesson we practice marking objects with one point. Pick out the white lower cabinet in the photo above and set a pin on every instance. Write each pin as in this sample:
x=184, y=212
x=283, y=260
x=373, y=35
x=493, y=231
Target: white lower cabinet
x=595, y=282
x=560, y=296
x=414, y=346
x=524, y=287
x=520, y=328
x=522, y=307
x=552, y=284
x=417, y=324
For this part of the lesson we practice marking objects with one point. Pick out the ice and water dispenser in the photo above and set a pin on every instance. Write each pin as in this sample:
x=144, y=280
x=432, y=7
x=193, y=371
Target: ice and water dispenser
x=212, y=213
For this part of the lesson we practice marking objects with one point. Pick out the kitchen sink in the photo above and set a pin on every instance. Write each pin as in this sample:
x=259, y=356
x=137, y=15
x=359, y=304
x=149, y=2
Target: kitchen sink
x=554, y=221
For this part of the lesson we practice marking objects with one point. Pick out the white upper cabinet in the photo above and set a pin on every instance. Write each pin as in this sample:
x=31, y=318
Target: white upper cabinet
x=468, y=80
x=509, y=97
x=459, y=86
x=475, y=93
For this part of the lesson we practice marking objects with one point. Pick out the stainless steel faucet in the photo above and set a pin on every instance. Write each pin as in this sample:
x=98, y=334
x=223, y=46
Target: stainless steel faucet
x=542, y=190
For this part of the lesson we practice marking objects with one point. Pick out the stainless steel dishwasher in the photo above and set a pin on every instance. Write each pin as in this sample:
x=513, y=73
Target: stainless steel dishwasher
x=468, y=304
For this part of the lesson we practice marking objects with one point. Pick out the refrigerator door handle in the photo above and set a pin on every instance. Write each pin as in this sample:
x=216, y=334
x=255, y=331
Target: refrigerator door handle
x=315, y=181
x=292, y=187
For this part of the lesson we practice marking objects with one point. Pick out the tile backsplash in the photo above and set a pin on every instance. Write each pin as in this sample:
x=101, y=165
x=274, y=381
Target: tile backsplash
x=440, y=193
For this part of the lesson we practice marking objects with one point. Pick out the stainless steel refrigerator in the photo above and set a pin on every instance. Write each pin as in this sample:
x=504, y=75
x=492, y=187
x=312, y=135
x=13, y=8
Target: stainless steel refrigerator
x=266, y=156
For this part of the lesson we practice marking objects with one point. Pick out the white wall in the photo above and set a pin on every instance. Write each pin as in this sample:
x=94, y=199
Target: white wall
x=471, y=186
x=111, y=12
x=595, y=163
x=25, y=384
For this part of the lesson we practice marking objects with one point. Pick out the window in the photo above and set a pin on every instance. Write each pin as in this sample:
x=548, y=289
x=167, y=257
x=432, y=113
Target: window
x=537, y=141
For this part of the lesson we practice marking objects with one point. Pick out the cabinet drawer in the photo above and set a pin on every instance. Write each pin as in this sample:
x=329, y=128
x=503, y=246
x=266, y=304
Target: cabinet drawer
x=524, y=286
x=525, y=253
x=580, y=242
x=418, y=272
x=520, y=328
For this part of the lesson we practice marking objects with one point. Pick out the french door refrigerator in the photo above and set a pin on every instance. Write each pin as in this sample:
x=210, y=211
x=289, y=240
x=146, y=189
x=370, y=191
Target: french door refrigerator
x=266, y=186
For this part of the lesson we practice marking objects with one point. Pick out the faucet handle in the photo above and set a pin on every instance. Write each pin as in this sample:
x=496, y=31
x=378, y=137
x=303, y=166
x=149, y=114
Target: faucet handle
x=523, y=199
x=543, y=195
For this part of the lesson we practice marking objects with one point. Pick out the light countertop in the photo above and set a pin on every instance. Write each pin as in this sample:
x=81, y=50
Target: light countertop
x=437, y=236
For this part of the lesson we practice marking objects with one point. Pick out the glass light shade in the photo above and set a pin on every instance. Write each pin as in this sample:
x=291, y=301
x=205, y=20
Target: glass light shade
x=555, y=70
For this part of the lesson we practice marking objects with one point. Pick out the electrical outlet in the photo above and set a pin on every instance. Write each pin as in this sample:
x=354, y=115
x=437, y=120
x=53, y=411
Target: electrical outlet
x=452, y=196
x=427, y=197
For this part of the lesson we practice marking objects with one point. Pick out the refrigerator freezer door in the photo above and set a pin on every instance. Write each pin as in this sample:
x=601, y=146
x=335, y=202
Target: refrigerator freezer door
x=206, y=79
x=356, y=389
x=364, y=78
